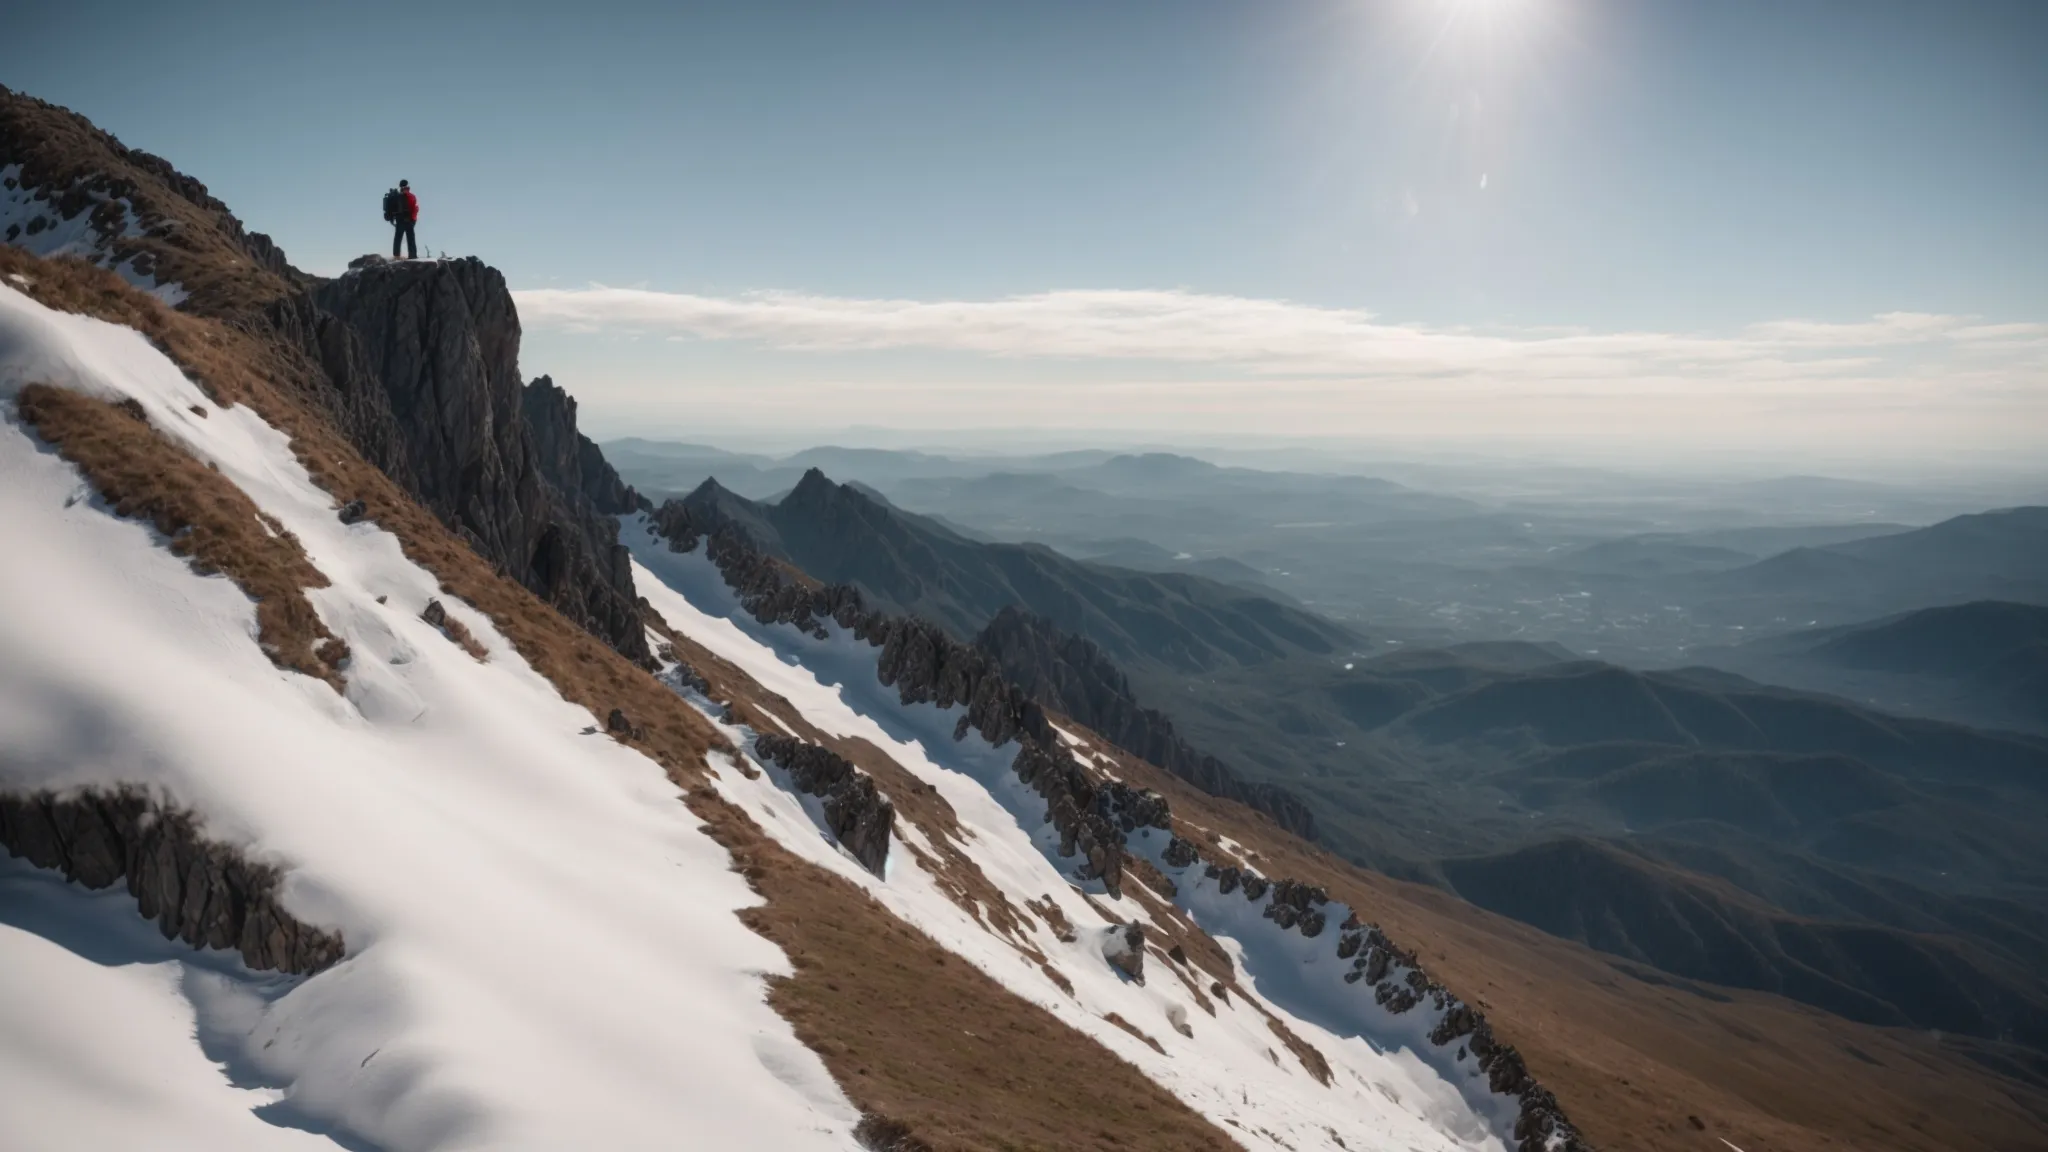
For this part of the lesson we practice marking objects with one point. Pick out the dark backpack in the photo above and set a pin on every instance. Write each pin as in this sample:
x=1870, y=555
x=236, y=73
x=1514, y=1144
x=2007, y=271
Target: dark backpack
x=394, y=206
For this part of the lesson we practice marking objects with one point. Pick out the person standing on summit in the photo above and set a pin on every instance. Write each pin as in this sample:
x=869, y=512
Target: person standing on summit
x=402, y=209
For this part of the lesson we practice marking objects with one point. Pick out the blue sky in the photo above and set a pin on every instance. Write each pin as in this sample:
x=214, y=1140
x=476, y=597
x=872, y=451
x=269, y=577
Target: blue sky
x=1301, y=217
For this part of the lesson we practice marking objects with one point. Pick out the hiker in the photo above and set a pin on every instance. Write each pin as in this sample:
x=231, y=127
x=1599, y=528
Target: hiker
x=402, y=209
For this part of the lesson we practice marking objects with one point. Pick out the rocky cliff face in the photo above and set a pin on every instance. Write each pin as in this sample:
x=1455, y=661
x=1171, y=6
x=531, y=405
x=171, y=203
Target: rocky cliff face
x=440, y=342
x=1070, y=674
x=197, y=890
x=569, y=459
x=348, y=389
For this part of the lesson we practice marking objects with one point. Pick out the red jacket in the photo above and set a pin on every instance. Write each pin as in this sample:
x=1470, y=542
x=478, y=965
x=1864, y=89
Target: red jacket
x=412, y=206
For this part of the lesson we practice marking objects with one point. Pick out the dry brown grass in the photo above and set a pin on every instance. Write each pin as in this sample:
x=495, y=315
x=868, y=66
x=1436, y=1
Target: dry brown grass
x=1133, y=1029
x=1312, y=1061
x=916, y=801
x=187, y=236
x=1630, y=1060
x=890, y=1012
x=144, y=475
x=456, y=632
x=941, y=1048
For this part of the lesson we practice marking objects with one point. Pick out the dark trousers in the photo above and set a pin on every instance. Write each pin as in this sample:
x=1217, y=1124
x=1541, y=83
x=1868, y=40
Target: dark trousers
x=412, y=250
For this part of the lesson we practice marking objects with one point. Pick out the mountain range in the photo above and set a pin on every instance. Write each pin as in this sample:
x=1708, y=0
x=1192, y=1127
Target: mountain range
x=1983, y=662
x=911, y=564
x=1861, y=837
x=383, y=770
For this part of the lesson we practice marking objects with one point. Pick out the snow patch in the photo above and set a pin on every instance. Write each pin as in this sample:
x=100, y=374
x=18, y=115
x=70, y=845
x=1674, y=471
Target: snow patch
x=53, y=235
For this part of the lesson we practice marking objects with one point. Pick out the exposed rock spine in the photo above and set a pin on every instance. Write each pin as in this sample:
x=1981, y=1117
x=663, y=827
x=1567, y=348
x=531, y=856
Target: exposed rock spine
x=859, y=816
x=197, y=890
x=925, y=665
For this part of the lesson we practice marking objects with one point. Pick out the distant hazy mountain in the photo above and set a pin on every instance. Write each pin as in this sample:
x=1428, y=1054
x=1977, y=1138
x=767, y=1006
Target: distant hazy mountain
x=1145, y=556
x=912, y=564
x=1679, y=553
x=1992, y=555
x=1985, y=662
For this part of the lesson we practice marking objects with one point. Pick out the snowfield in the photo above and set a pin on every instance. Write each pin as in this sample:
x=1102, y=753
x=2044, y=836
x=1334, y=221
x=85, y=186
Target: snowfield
x=1383, y=1095
x=542, y=948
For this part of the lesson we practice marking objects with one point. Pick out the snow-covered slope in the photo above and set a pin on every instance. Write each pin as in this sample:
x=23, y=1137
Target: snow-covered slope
x=542, y=950
x=1389, y=1089
x=542, y=946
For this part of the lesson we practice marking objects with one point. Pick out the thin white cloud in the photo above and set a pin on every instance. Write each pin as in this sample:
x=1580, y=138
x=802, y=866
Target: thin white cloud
x=1268, y=338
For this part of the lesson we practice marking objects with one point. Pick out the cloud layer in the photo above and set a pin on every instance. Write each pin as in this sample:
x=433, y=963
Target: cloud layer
x=1266, y=338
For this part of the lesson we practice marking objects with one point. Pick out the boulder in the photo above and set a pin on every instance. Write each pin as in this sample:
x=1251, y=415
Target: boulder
x=1124, y=947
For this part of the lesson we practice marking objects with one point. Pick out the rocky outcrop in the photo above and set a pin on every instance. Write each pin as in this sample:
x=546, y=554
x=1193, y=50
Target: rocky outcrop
x=1124, y=948
x=1074, y=807
x=571, y=461
x=440, y=340
x=347, y=389
x=1397, y=982
x=200, y=891
x=856, y=812
x=1070, y=674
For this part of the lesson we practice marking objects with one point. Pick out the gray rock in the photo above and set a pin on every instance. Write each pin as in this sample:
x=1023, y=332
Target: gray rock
x=200, y=891
x=856, y=812
x=423, y=358
x=1125, y=951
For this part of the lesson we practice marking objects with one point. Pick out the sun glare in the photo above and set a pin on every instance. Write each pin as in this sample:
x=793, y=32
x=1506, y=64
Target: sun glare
x=1490, y=14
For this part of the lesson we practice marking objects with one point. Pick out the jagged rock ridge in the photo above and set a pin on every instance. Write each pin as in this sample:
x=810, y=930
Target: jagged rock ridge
x=926, y=665
x=197, y=890
x=1059, y=669
x=1399, y=984
x=571, y=460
